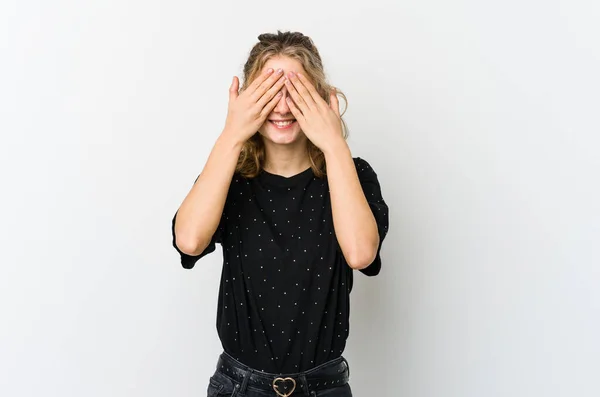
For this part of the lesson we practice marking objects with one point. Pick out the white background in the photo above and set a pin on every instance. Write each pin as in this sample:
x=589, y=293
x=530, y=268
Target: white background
x=480, y=118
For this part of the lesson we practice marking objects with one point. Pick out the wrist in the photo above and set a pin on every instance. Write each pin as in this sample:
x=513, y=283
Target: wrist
x=230, y=139
x=336, y=145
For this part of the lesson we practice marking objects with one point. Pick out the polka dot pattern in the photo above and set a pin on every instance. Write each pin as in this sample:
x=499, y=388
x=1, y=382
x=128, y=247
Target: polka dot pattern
x=283, y=301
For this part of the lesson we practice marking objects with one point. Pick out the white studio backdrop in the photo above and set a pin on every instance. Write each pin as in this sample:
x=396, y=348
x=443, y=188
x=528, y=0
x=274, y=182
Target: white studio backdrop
x=480, y=118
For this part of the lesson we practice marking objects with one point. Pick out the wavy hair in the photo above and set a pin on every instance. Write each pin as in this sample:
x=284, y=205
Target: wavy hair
x=297, y=46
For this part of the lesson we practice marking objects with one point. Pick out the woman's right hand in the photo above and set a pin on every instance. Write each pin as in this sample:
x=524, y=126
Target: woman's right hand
x=249, y=110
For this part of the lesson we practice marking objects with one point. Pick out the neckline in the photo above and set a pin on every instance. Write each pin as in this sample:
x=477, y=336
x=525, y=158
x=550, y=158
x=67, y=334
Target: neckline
x=280, y=180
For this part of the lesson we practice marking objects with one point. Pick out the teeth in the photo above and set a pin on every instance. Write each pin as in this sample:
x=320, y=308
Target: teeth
x=283, y=123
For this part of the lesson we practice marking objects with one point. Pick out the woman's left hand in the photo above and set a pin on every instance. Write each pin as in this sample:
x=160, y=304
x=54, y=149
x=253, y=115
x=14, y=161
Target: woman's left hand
x=320, y=122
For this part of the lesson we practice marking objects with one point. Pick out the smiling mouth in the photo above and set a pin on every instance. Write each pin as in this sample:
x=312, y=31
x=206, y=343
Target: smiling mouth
x=282, y=124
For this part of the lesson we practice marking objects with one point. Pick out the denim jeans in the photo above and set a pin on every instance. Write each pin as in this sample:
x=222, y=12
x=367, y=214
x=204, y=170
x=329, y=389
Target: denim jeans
x=236, y=379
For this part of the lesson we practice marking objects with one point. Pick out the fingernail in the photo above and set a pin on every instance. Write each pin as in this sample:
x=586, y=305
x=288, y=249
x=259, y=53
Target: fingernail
x=279, y=70
x=291, y=74
x=269, y=70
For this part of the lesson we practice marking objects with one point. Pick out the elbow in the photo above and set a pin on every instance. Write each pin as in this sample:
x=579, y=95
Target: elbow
x=189, y=246
x=188, y=241
x=363, y=257
x=359, y=262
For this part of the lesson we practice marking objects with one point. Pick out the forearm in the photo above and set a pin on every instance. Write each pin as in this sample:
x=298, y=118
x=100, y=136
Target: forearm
x=200, y=212
x=353, y=220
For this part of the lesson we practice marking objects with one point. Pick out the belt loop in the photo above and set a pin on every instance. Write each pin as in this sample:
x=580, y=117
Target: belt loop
x=303, y=384
x=247, y=375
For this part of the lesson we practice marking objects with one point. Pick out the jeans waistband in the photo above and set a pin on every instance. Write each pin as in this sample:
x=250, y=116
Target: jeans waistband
x=330, y=374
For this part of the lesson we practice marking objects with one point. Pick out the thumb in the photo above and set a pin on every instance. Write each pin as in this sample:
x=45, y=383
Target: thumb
x=233, y=89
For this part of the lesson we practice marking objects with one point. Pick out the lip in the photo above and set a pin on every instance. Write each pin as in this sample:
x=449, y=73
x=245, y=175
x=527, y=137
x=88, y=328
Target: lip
x=284, y=127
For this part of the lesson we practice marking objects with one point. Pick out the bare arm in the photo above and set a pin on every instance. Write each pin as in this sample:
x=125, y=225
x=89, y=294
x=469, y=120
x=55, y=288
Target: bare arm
x=353, y=220
x=200, y=212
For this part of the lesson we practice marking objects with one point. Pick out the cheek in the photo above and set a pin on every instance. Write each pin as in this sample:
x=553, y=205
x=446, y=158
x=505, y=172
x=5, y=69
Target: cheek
x=263, y=127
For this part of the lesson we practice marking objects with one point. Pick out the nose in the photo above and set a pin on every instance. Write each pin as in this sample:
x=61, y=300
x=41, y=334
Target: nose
x=282, y=107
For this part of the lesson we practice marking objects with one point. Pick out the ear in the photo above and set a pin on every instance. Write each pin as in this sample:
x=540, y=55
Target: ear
x=334, y=103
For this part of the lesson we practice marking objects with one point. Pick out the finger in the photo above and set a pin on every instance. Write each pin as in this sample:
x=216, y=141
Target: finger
x=259, y=80
x=271, y=105
x=265, y=85
x=334, y=103
x=233, y=89
x=296, y=97
x=311, y=89
x=267, y=96
x=302, y=91
x=295, y=111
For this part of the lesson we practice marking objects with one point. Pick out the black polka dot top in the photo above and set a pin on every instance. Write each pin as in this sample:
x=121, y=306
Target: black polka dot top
x=283, y=303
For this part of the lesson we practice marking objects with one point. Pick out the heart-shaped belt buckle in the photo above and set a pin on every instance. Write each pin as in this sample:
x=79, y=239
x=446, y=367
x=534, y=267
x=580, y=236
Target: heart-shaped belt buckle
x=276, y=387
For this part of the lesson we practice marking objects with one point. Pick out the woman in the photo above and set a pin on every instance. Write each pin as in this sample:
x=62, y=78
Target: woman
x=295, y=214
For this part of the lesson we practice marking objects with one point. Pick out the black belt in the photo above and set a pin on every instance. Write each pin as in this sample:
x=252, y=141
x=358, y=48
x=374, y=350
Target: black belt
x=331, y=374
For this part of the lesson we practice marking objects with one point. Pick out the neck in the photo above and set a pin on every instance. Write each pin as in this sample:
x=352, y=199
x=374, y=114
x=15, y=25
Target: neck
x=286, y=160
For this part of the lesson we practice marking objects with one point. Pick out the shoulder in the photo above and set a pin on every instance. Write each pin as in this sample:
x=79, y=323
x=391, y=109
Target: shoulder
x=238, y=189
x=363, y=167
x=360, y=162
x=238, y=179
